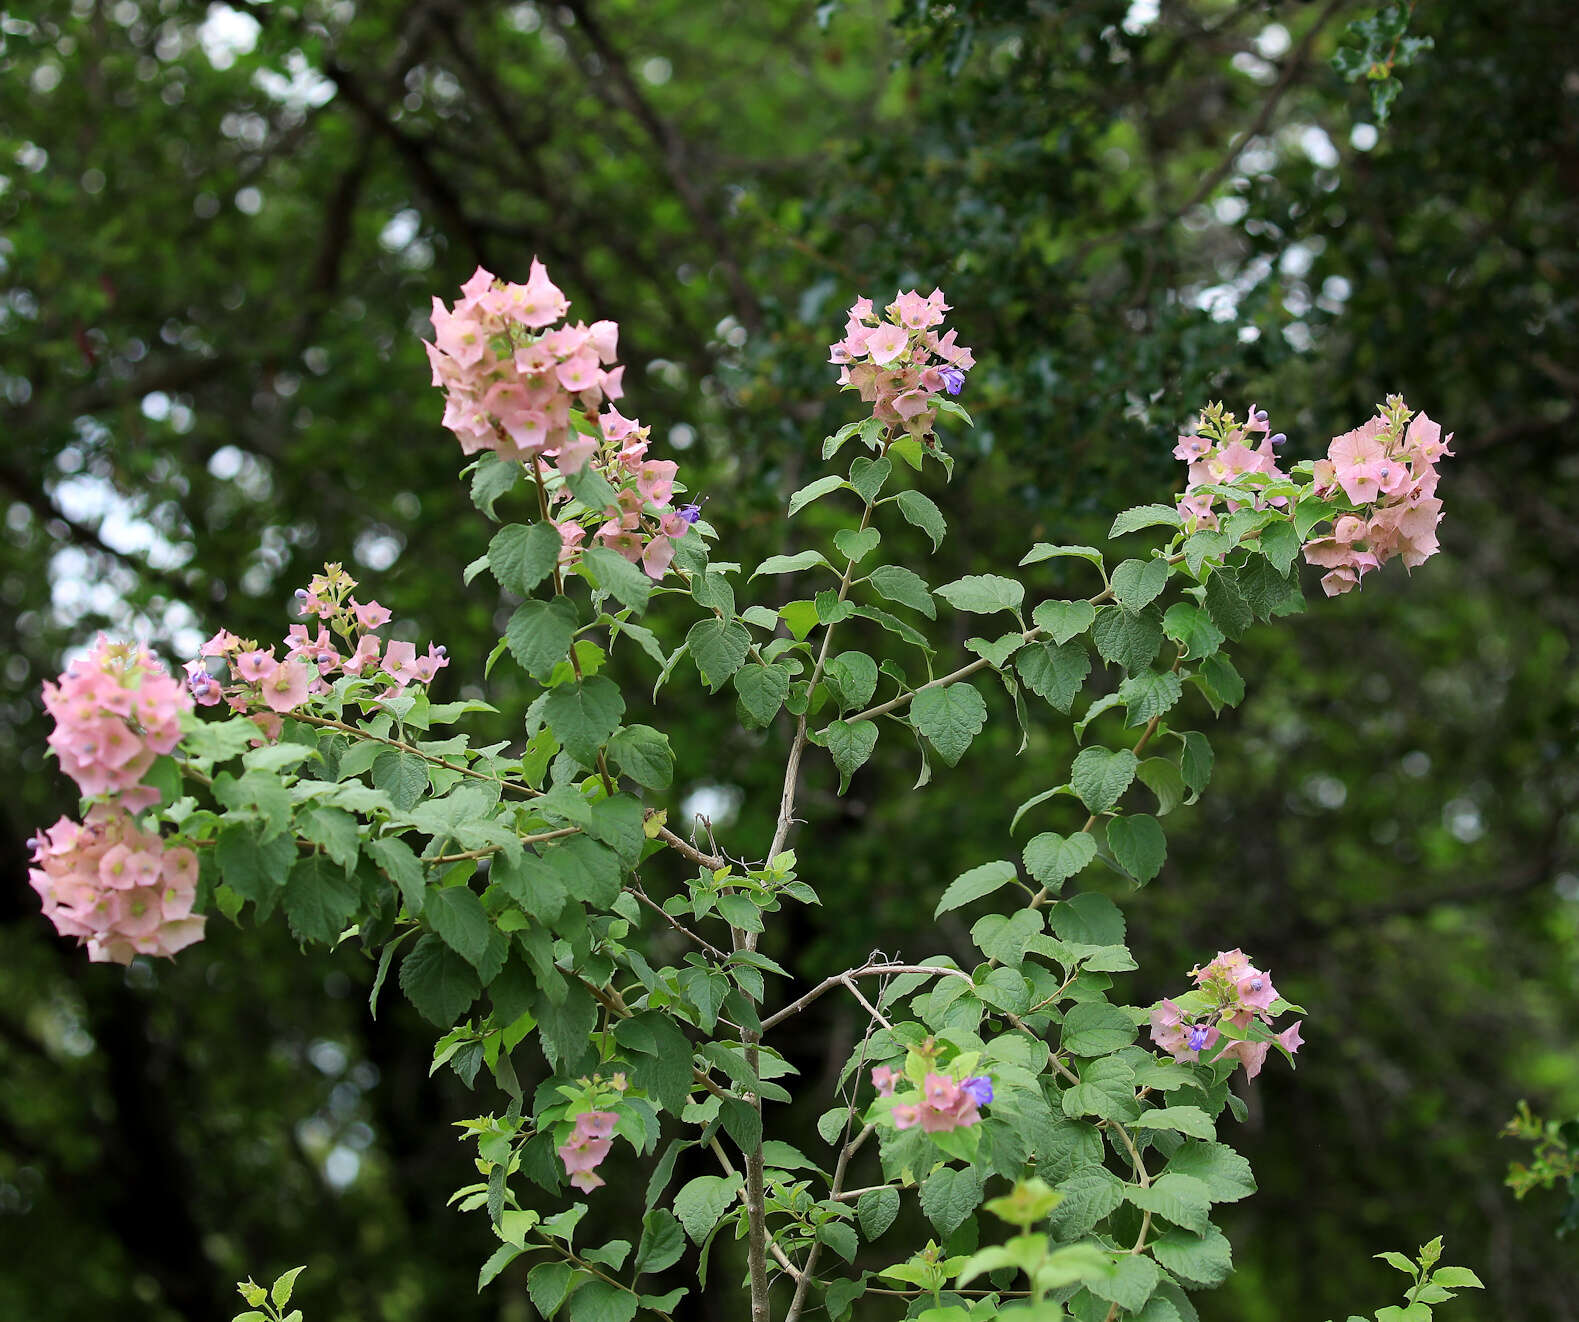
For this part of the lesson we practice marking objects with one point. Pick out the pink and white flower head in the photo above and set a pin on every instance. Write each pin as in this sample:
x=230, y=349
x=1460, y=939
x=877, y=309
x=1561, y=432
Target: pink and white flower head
x=115, y=887
x=587, y=1146
x=900, y=365
x=115, y=711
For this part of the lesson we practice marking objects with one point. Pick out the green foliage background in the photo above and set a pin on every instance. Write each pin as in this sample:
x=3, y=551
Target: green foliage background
x=215, y=260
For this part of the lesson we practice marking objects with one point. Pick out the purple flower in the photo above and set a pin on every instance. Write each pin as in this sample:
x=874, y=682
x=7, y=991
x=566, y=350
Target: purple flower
x=953, y=379
x=690, y=513
x=1277, y=438
x=978, y=1086
x=1197, y=1038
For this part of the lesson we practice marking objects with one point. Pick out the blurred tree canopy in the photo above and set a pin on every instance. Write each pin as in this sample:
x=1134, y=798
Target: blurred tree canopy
x=220, y=226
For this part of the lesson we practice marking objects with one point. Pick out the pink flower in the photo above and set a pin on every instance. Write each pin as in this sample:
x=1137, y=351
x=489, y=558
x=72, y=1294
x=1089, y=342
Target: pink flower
x=1289, y=1039
x=113, y=885
x=286, y=689
x=886, y=343
x=371, y=615
x=1357, y=458
x=586, y=1148
x=884, y=1079
x=655, y=480
x=365, y=656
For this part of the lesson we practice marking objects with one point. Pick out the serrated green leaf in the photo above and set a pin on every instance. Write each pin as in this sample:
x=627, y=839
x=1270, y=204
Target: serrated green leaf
x=905, y=587
x=877, y=1210
x=539, y=634
x=922, y=513
x=1192, y=628
x=1138, y=583
x=584, y=715
x=522, y=556
x=850, y=745
x=1054, y=671
x=1139, y=844
x=762, y=691
x=457, y=915
x=950, y=717
x=974, y=884
x=1062, y=620
x=1052, y=858
x=983, y=594
x=643, y=754
x=319, y=899
x=948, y=1196
x=1101, y=775
x=719, y=648
x=1127, y=640
x=701, y=1203
x=613, y=573
x=1145, y=516
x=791, y=564
x=1095, y=1028
x=438, y=982
x=1199, y=1260
x=868, y=475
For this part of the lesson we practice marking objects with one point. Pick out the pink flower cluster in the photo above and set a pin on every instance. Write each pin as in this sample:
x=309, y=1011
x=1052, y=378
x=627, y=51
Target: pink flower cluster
x=899, y=363
x=343, y=643
x=532, y=395
x=1387, y=469
x=942, y=1103
x=1231, y=990
x=116, y=887
x=115, y=710
x=588, y=1144
x=1219, y=452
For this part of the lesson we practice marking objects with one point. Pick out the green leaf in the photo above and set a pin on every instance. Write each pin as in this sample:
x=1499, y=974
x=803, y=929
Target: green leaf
x=877, y=1210
x=1208, y=544
x=1064, y=619
x=399, y=862
x=1139, y=844
x=701, y=1203
x=587, y=870
x=1181, y=1199
x=1199, y=1260
x=1127, y=640
x=616, y=575
x=457, y=915
x=1280, y=544
x=1264, y=588
x=868, y=475
x=522, y=556
x=539, y=634
x=401, y=775
x=1130, y=1286
x=841, y=1294
x=643, y=754
x=1308, y=513
x=1006, y=938
x=584, y=715
x=1090, y=1194
x=841, y=1238
x=1226, y=1175
x=1101, y=775
x=1222, y=681
x=662, y=1243
x=791, y=564
x=949, y=717
x=983, y=594
x=1226, y=604
x=852, y=677
x=501, y=1258
x=1145, y=516
x=1054, y=671
x=850, y=745
x=548, y=1283
x=1046, y=551
x=255, y=870
x=1148, y=694
x=602, y=1301
x=996, y=653
x=1095, y=1028
x=565, y=1026
x=1162, y=778
x=280, y=1292
x=1190, y=1121
x=922, y=513
x=719, y=648
x=974, y=884
x=814, y=491
x=491, y=478
x=762, y=691
x=1192, y=628
x=319, y=899
x=1052, y=858
x=905, y=587
x=949, y=1196
x=856, y=544
x=1138, y=583
x=334, y=829
x=1088, y=919
x=438, y=982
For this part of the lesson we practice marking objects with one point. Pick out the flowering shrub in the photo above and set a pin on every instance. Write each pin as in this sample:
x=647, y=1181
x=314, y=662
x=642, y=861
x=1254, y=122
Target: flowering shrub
x=513, y=882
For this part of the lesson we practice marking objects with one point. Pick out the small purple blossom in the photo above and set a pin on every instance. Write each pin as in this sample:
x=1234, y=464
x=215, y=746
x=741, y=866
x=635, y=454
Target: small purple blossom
x=690, y=513
x=953, y=379
x=1197, y=1037
x=979, y=1086
x=1277, y=438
